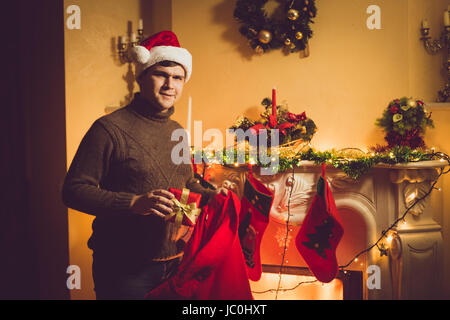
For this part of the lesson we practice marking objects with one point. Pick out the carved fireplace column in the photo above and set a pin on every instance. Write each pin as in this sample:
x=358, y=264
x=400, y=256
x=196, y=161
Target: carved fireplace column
x=416, y=255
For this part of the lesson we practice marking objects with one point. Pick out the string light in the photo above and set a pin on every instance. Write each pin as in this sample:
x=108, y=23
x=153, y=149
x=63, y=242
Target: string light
x=286, y=237
x=411, y=196
x=389, y=238
x=354, y=164
x=394, y=224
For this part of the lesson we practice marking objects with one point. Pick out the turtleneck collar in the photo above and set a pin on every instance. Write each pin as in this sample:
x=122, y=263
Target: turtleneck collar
x=143, y=107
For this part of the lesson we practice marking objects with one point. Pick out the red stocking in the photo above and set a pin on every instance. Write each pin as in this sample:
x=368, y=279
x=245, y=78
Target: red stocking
x=320, y=233
x=254, y=218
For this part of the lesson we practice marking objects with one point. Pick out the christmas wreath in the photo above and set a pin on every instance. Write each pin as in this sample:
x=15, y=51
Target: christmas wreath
x=287, y=28
x=405, y=121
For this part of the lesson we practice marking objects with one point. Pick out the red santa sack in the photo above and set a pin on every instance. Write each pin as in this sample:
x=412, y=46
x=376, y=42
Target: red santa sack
x=213, y=266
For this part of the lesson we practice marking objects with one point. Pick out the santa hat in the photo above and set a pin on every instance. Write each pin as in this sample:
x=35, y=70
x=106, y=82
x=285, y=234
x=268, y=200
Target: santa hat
x=161, y=46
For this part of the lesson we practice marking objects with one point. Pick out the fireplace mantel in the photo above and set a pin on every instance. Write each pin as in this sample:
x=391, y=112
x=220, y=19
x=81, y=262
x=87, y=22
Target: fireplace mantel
x=413, y=269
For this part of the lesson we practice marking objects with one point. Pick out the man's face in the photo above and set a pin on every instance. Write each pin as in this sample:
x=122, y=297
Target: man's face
x=162, y=86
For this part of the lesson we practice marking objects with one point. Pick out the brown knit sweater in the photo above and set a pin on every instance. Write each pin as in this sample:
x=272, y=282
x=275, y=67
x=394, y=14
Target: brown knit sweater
x=127, y=153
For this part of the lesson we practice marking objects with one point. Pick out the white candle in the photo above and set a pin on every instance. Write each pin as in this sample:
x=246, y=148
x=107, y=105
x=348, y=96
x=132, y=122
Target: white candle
x=446, y=19
x=189, y=120
x=424, y=23
x=133, y=37
x=141, y=24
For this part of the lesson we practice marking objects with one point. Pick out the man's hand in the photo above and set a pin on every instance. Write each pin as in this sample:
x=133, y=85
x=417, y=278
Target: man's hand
x=222, y=190
x=158, y=202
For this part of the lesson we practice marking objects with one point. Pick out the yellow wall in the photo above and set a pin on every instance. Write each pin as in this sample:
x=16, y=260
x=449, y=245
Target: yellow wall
x=350, y=76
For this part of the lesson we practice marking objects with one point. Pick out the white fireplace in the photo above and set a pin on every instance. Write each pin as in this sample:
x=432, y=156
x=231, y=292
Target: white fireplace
x=367, y=206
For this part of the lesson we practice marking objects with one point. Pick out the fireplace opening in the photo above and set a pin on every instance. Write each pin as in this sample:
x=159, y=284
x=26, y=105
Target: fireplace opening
x=303, y=285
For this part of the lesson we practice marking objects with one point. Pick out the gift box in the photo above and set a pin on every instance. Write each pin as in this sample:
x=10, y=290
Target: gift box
x=186, y=207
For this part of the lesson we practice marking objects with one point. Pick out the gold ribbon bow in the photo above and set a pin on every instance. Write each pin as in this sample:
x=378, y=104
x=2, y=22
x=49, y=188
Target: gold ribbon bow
x=182, y=208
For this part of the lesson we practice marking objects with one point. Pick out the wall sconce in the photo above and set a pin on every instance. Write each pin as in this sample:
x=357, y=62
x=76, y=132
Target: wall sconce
x=123, y=45
x=434, y=46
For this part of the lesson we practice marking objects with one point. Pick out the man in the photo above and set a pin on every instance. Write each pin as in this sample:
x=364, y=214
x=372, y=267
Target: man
x=121, y=174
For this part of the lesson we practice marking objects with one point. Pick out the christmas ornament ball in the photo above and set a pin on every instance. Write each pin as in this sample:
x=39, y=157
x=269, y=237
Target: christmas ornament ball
x=299, y=35
x=259, y=50
x=264, y=36
x=412, y=103
x=292, y=14
x=287, y=41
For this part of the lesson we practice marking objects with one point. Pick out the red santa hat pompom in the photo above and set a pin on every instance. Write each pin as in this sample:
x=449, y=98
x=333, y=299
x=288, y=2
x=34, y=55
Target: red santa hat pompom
x=161, y=46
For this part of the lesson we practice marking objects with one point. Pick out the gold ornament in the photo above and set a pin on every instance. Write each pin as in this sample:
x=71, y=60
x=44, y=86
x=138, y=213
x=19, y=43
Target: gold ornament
x=264, y=36
x=406, y=108
x=412, y=103
x=298, y=35
x=259, y=50
x=292, y=14
x=287, y=41
x=397, y=117
x=292, y=46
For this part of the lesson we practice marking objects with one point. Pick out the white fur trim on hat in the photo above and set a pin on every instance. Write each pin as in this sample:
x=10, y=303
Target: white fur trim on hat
x=140, y=54
x=145, y=58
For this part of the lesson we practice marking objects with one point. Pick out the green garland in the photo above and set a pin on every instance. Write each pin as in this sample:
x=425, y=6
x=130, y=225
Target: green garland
x=288, y=29
x=352, y=164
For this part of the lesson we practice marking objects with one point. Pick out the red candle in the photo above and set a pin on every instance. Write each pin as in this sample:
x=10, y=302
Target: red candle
x=274, y=103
